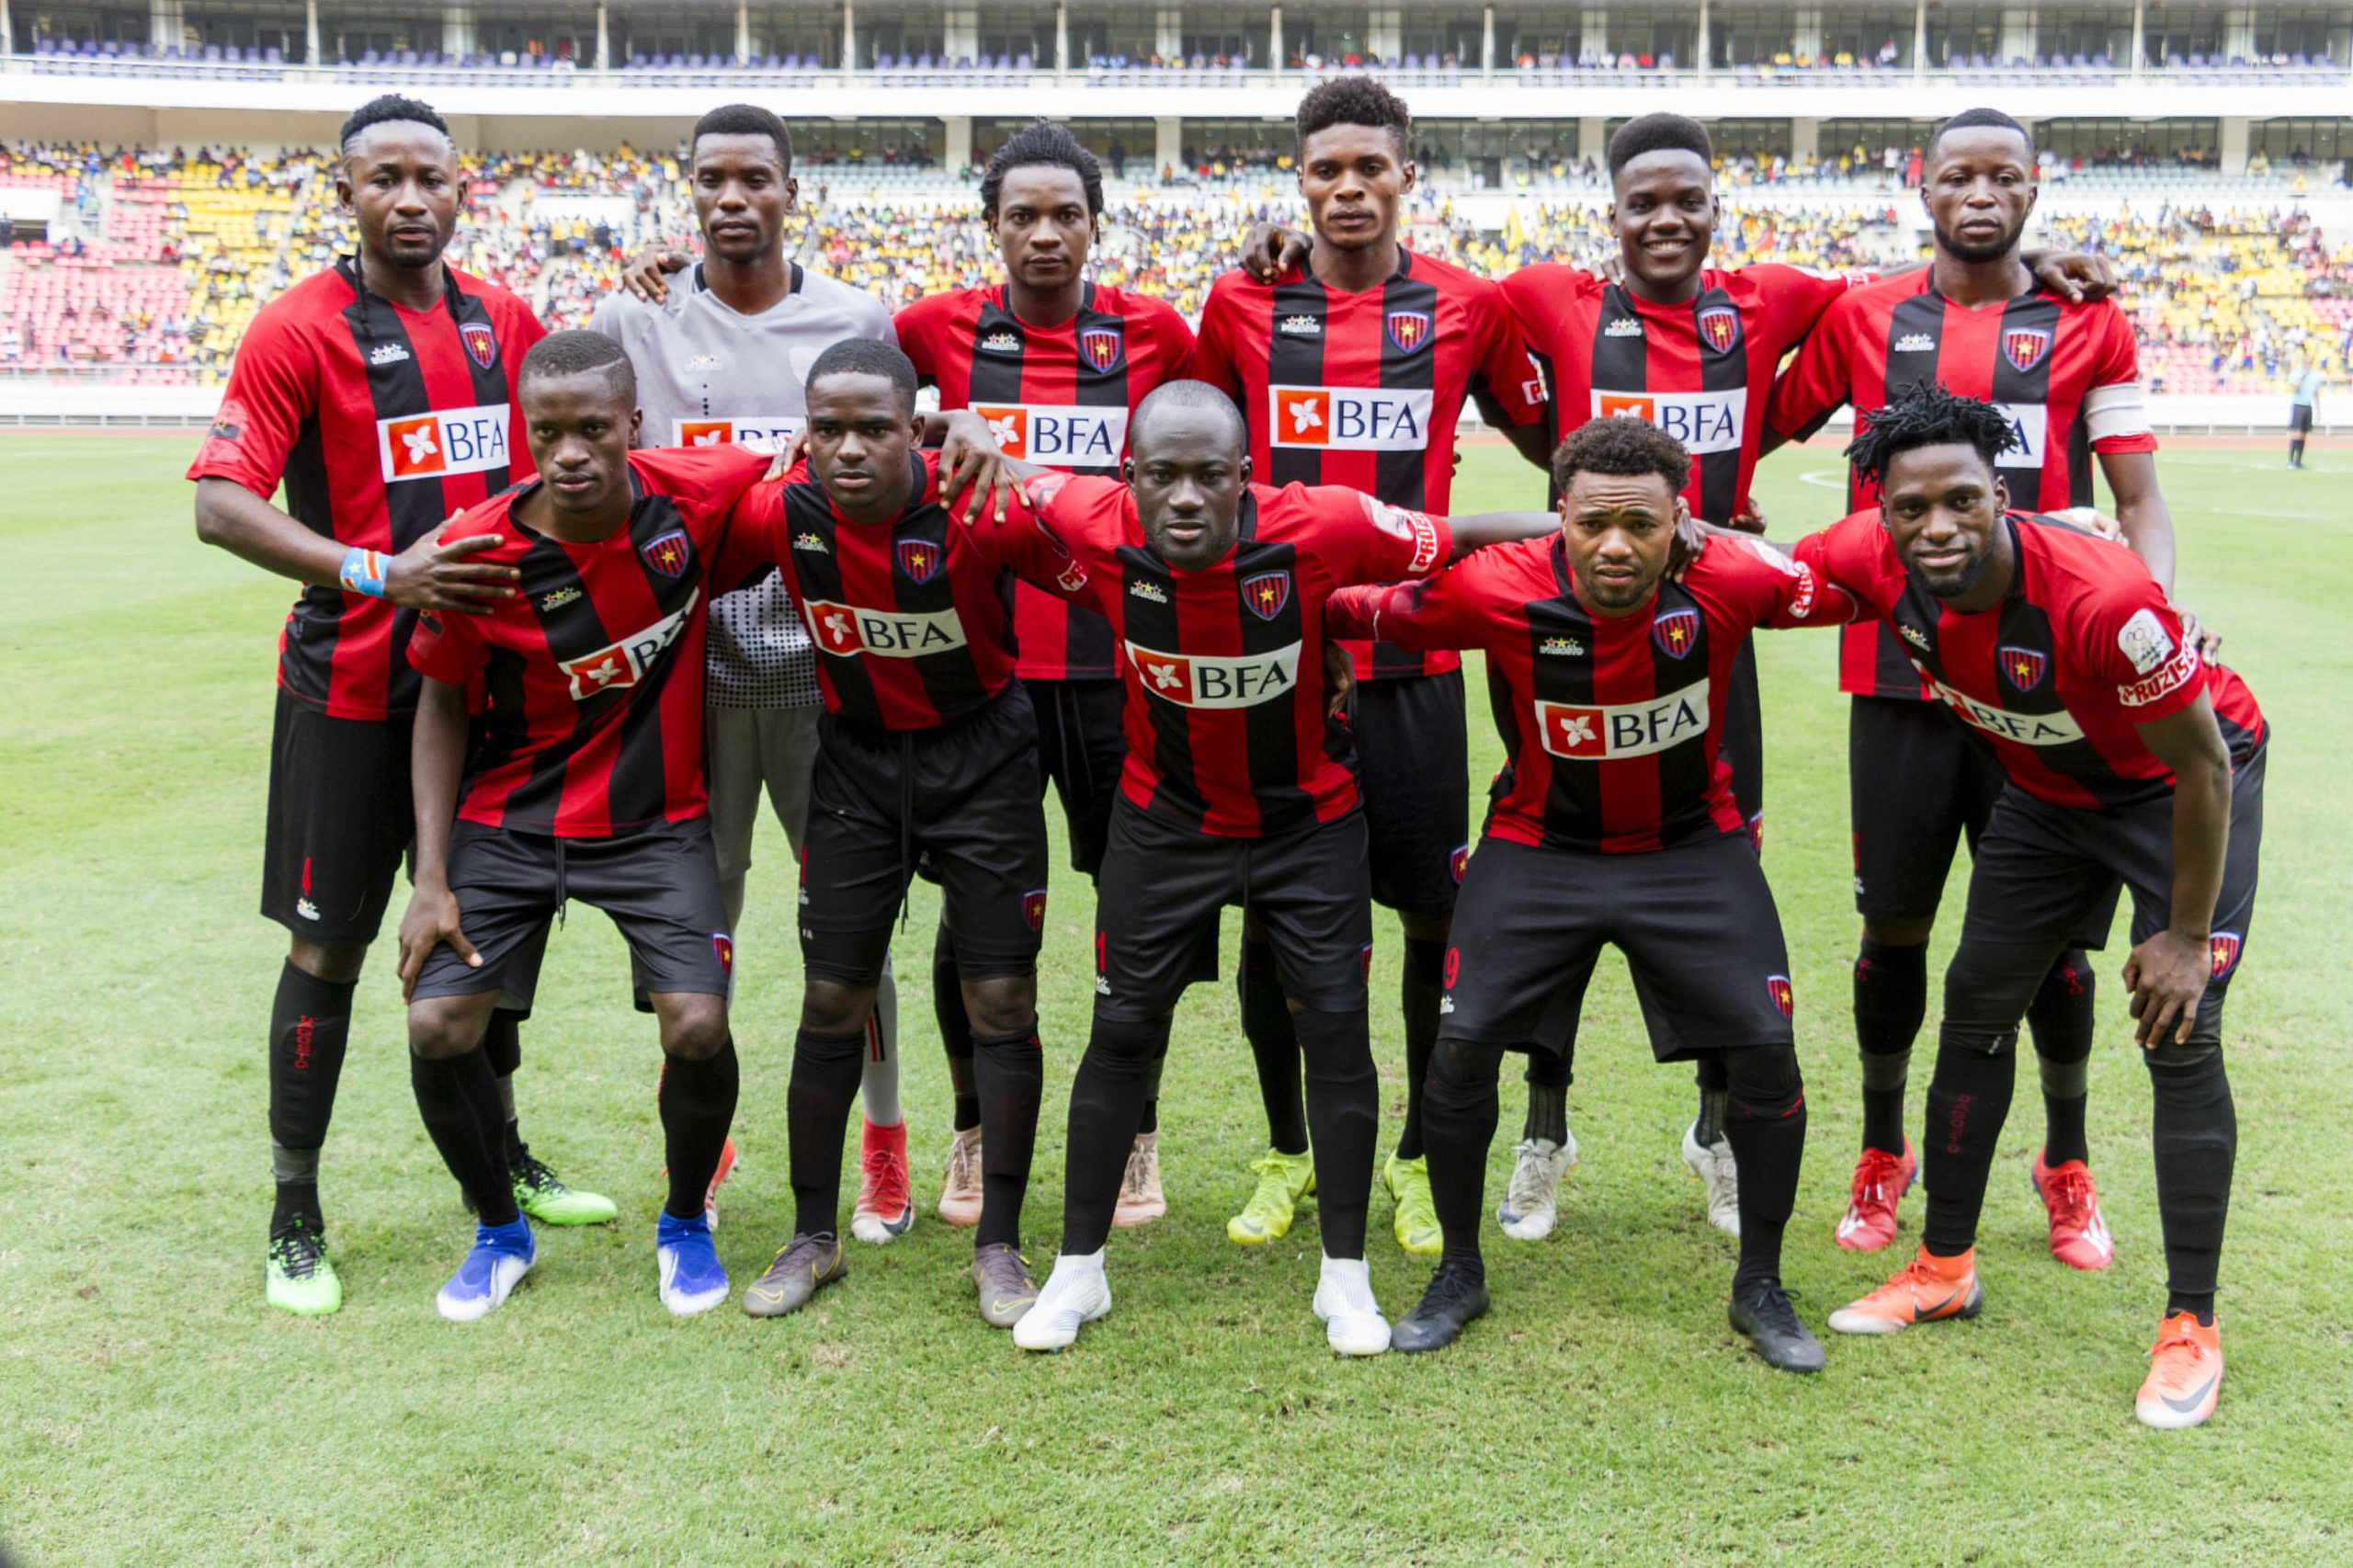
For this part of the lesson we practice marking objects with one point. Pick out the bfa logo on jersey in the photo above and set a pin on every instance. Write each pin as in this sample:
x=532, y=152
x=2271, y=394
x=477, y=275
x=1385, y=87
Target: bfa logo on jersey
x=1409, y=329
x=1101, y=346
x=1784, y=995
x=1677, y=632
x=2025, y=345
x=481, y=345
x=1719, y=325
x=920, y=558
x=2023, y=667
x=2223, y=949
x=1266, y=594
x=667, y=553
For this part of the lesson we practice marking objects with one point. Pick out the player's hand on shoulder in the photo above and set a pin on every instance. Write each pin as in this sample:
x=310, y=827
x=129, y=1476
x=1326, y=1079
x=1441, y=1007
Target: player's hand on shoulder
x=970, y=461
x=1750, y=518
x=1272, y=249
x=648, y=274
x=438, y=572
x=2168, y=974
x=2200, y=636
x=2093, y=520
x=1690, y=543
x=2078, y=276
x=1339, y=678
x=788, y=457
x=431, y=919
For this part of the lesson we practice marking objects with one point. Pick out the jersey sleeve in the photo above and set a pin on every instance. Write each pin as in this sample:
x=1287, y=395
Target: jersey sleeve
x=2131, y=636
x=1367, y=541
x=706, y=483
x=1505, y=366
x=917, y=326
x=2116, y=415
x=1797, y=297
x=755, y=541
x=1033, y=549
x=1176, y=345
x=1425, y=616
x=1852, y=555
x=1215, y=348
x=1811, y=388
x=448, y=648
x=1785, y=592
x=273, y=388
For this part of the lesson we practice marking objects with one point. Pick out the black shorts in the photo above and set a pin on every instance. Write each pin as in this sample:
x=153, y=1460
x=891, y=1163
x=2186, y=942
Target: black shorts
x=2042, y=869
x=964, y=799
x=340, y=822
x=2300, y=419
x=1081, y=749
x=1742, y=743
x=660, y=884
x=1414, y=769
x=1697, y=923
x=1163, y=886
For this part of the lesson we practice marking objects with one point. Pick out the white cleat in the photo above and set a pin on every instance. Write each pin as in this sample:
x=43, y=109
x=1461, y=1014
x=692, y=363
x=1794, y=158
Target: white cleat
x=1353, y=1324
x=1717, y=1172
x=1531, y=1205
x=1075, y=1294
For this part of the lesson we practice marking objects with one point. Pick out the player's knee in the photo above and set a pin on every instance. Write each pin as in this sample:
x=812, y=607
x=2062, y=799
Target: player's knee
x=694, y=1027
x=834, y=1006
x=1462, y=1073
x=1333, y=1045
x=337, y=966
x=1988, y=987
x=442, y=1028
x=1899, y=932
x=1125, y=1043
x=1002, y=1004
x=1764, y=1083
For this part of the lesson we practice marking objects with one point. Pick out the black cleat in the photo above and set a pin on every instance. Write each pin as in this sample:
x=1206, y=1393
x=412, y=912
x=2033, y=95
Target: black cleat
x=1763, y=1312
x=1455, y=1297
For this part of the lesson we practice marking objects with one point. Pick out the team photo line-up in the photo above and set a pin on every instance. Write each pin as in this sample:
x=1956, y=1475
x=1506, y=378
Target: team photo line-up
x=574, y=604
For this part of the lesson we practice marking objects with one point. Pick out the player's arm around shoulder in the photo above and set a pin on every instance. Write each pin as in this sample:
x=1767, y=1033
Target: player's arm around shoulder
x=1767, y=586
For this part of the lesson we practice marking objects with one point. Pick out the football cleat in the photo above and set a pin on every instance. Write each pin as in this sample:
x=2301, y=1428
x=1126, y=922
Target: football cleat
x=689, y=1278
x=1006, y=1290
x=960, y=1185
x=802, y=1266
x=541, y=1194
x=1074, y=1295
x=1353, y=1322
x=1416, y=1221
x=1927, y=1290
x=886, y=1204
x=1283, y=1180
x=1762, y=1311
x=1531, y=1204
x=1881, y=1178
x=710, y=1193
x=2185, y=1374
x=1719, y=1175
x=2079, y=1235
x=296, y=1277
x=1141, y=1200
x=1455, y=1297
x=501, y=1255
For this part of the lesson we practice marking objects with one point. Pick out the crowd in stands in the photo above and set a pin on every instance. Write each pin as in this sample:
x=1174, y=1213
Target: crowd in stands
x=159, y=256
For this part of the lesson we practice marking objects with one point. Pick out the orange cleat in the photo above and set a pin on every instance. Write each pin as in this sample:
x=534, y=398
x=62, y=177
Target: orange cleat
x=1881, y=1178
x=2079, y=1235
x=885, y=1205
x=2185, y=1374
x=1927, y=1290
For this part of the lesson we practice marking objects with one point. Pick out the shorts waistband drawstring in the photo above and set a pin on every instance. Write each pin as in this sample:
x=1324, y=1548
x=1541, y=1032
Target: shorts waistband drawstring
x=563, y=882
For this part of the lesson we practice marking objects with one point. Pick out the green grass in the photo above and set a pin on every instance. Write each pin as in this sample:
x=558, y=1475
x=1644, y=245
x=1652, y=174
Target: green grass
x=153, y=1409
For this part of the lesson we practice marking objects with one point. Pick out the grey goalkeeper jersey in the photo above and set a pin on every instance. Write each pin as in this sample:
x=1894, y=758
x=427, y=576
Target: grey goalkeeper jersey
x=707, y=374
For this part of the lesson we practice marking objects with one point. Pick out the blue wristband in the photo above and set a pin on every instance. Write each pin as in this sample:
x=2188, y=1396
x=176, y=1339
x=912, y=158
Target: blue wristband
x=363, y=573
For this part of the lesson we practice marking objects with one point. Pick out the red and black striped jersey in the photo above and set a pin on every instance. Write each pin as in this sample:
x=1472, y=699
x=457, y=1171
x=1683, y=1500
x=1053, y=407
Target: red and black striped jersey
x=1057, y=396
x=1702, y=370
x=2054, y=680
x=1365, y=389
x=913, y=617
x=1615, y=720
x=594, y=671
x=2067, y=375
x=381, y=421
x=1224, y=666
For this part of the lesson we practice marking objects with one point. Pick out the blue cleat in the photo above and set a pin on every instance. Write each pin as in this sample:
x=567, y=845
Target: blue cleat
x=502, y=1255
x=692, y=1281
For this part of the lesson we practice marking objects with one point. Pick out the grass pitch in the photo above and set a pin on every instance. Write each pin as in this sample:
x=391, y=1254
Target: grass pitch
x=152, y=1408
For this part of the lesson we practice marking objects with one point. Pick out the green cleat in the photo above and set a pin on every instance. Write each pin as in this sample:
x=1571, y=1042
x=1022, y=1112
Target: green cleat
x=1417, y=1227
x=540, y=1194
x=298, y=1276
x=1283, y=1180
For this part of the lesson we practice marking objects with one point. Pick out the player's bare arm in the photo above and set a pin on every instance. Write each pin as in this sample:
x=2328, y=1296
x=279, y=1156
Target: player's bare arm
x=433, y=573
x=438, y=758
x=2141, y=508
x=2168, y=972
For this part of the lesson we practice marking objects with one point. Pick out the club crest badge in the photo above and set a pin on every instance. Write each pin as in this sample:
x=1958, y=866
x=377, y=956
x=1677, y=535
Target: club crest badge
x=1102, y=348
x=482, y=344
x=2023, y=667
x=920, y=558
x=2223, y=948
x=1409, y=329
x=1266, y=594
x=1033, y=908
x=2025, y=345
x=1457, y=863
x=1720, y=328
x=668, y=554
x=1784, y=995
x=1677, y=632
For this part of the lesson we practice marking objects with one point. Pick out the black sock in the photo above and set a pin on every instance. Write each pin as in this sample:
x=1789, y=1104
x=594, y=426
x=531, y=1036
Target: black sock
x=1419, y=994
x=2063, y=1022
x=309, y=1019
x=1012, y=1074
x=1764, y=1123
x=458, y=1099
x=502, y=1042
x=698, y=1105
x=1274, y=1046
x=825, y=1069
x=1106, y=1099
x=955, y=1031
x=1968, y=1099
x=2195, y=1134
x=1548, y=1078
x=1150, y=1122
x=1708, y=1121
x=1891, y=999
x=1459, y=1115
x=1344, y=1119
